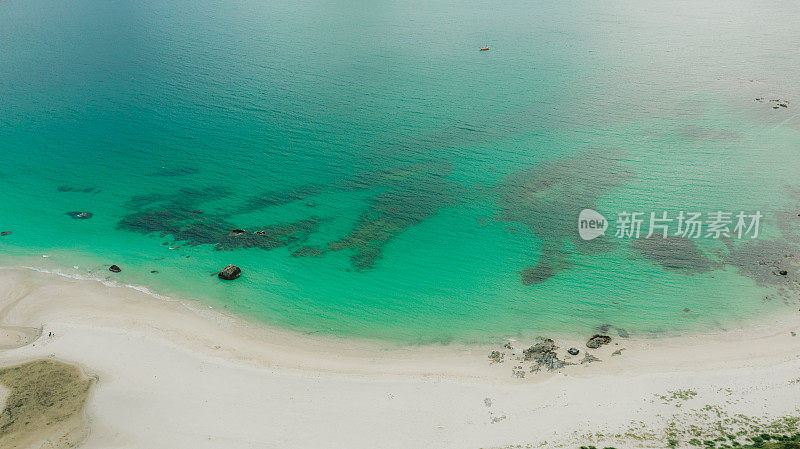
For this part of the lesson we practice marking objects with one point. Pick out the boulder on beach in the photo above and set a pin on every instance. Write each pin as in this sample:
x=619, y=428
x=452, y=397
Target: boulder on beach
x=230, y=272
x=573, y=351
x=598, y=340
x=114, y=269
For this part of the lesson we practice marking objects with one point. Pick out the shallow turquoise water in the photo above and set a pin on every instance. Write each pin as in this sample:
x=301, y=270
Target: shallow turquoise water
x=418, y=176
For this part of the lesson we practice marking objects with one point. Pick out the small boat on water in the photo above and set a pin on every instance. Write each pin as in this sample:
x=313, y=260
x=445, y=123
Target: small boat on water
x=484, y=48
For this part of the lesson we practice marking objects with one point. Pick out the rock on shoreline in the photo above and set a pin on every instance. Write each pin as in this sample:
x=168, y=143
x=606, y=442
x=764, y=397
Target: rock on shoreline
x=230, y=272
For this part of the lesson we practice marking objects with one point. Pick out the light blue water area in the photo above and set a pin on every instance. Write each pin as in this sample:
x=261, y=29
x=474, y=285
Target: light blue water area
x=395, y=182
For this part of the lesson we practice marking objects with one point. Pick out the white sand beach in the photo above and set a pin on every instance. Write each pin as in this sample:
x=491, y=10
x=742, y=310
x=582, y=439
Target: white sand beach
x=176, y=374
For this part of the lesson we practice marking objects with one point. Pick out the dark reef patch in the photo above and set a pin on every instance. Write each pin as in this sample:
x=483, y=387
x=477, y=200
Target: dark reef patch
x=78, y=189
x=548, y=198
x=404, y=197
x=766, y=261
x=411, y=199
x=675, y=253
x=175, y=171
x=272, y=198
x=705, y=134
x=180, y=216
x=772, y=261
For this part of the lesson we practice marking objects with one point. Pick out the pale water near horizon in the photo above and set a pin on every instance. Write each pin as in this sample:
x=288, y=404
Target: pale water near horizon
x=407, y=186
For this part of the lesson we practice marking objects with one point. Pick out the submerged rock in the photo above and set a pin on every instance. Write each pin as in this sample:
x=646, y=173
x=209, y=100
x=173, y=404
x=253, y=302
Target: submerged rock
x=230, y=272
x=4, y=233
x=80, y=215
x=598, y=340
x=114, y=269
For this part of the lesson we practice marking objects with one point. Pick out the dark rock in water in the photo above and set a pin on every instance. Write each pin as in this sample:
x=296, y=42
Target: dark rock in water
x=573, y=351
x=598, y=340
x=80, y=215
x=5, y=233
x=230, y=273
x=153, y=271
x=262, y=233
x=238, y=232
x=114, y=269
x=687, y=310
x=783, y=272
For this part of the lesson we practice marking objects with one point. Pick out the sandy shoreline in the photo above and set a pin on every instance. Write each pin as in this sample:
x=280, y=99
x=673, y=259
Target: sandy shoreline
x=175, y=374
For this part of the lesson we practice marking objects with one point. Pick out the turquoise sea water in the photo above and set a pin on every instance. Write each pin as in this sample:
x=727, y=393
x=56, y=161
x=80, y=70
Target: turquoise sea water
x=408, y=186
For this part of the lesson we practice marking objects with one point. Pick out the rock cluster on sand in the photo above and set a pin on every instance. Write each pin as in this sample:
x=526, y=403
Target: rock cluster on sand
x=598, y=340
x=230, y=272
x=544, y=354
x=496, y=356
